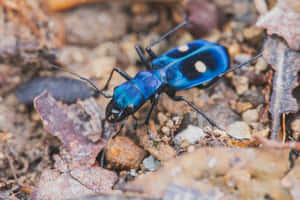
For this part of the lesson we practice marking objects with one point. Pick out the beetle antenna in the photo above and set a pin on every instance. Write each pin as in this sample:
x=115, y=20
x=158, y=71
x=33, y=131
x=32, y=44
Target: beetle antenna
x=168, y=33
x=84, y=79
x=242, y=64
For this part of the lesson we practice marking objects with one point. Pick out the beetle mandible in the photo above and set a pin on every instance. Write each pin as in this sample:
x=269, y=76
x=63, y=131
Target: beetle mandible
x=194, y=64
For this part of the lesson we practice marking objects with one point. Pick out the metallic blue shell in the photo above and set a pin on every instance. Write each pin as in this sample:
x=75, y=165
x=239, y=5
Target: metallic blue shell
x=177, y=66
x=137, y=90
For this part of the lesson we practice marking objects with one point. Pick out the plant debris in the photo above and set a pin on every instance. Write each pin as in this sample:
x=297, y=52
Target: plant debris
x=76, y=126
x=72, y=125
x=81, y=181
x=277, y=21
x=286, y=63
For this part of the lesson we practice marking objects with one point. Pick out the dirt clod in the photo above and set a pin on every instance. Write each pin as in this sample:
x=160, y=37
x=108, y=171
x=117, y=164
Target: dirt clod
x=123, y=153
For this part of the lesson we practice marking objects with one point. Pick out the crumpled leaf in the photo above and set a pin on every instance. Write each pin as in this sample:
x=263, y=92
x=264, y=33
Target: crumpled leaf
x=244, y=173
x=79, y=127
x=284, y=20
x=80, y=182
x=286, y=62
x=73, y=125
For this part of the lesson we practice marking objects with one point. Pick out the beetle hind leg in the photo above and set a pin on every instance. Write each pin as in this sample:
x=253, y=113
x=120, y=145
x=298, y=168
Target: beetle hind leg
x=211, y=122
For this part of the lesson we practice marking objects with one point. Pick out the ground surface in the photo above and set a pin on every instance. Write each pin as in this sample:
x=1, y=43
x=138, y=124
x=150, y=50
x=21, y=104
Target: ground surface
x=57, y=145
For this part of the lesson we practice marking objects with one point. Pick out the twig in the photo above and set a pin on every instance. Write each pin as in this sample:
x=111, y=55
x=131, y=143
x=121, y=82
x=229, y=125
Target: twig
x=274, y=144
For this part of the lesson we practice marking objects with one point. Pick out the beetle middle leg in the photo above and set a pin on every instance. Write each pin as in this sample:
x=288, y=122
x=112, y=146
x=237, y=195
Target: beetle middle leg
x=154, y=102
x=110, y=137
x=121, y=72
x=142, y=57
x=148, y=48
x=181, y=98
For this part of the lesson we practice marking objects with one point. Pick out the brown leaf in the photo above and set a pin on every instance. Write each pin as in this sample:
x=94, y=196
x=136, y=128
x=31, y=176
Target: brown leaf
x=287, y=64
x=244, y=173
x=283, y=20
x=73, y=125
x=79, y=182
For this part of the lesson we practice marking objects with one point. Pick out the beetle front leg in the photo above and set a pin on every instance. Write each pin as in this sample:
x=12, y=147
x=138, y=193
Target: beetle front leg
x=154, y=102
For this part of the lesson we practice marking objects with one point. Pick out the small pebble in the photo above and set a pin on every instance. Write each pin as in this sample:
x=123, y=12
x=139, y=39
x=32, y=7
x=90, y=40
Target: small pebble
x=150, y=163
x=140, y=8
x=243, y=106
x=234, y=49
x=250, y=116
x=241, y=84
x=239, y=130
x=191, y=134
x=165, y=130
x=170, y=123
x=191, y=149
x=261, y=65
x=162, y=118
x=253, y=34
x=240, y=58
x=132, y=172
x=296, y=128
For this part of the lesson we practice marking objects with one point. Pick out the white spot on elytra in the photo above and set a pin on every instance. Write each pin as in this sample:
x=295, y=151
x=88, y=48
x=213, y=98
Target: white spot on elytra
x=183, y=48
x=200, y=66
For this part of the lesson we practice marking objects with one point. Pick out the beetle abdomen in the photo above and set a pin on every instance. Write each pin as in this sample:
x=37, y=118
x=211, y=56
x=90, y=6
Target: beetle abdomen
x=199, y=65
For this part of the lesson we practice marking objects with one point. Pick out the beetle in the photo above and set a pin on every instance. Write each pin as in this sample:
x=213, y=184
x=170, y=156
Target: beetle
x=198, y=63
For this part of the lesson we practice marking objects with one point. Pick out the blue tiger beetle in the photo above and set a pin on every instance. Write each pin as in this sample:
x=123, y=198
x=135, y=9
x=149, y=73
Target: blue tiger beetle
x=198, y=63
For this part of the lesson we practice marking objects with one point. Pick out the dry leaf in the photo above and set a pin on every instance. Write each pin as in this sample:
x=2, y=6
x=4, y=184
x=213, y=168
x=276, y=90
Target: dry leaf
x=82, y=181
x=73, y=126
x=79, y=128
x=286, y=62
x=283, y=20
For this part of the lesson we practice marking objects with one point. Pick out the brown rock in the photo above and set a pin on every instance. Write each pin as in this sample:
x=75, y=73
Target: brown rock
x=204, y=16
x=124, y=153
x=160, y=151
x=93, y=24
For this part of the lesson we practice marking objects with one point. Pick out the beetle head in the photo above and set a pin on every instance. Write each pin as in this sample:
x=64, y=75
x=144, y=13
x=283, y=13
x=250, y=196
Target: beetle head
x=114, y=113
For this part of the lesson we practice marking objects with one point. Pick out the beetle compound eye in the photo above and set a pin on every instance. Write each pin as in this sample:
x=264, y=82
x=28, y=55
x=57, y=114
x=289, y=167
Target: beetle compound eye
x=183, y=48
x=200, y=66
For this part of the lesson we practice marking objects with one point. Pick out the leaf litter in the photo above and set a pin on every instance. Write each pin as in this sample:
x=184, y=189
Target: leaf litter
x=286, y=63
x=76, y=126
